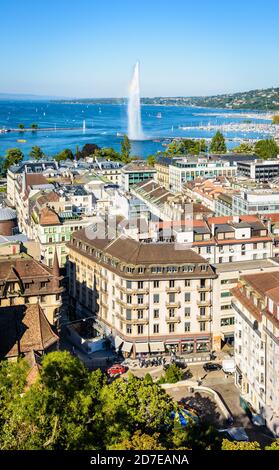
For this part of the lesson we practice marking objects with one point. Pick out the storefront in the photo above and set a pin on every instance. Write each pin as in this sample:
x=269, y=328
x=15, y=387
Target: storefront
x=188, y=346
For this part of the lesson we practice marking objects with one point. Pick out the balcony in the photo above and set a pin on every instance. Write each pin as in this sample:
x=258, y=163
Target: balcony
x=173, y=290
x=174, y=319
x=133, y=321
x=206, y=317
x=204, y=289
x=139, y=306
x=204, y=303
x=173, y=304
x=127, y=291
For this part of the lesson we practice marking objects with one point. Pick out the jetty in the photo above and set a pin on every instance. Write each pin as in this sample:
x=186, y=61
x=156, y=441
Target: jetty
x=41, y=129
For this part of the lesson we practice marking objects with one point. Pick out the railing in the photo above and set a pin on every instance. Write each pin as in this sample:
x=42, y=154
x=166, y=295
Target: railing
x=173, y=304
x=170, y=290
x=174, y=319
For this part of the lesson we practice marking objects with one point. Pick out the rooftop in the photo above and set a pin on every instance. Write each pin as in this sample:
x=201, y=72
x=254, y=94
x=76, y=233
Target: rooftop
x=23, y=329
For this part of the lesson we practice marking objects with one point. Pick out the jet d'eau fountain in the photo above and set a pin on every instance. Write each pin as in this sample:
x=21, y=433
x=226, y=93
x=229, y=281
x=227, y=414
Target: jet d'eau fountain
x=135, y=131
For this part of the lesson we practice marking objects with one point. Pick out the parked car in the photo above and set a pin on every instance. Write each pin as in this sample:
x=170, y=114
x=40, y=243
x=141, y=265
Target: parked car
x=210, y=366
x=116, y=369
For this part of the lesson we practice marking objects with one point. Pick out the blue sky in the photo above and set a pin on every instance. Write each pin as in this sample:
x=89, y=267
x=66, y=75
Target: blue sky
x=87, y=48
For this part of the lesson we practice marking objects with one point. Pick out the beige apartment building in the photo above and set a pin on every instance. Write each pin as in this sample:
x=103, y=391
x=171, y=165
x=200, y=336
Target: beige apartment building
x=256, y=306
x=146, y=297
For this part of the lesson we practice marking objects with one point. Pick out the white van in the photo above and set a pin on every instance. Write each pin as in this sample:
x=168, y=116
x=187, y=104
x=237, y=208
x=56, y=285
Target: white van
x=228, y=366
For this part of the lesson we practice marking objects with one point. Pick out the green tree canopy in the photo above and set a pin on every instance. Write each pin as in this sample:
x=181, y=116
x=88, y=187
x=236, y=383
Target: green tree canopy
x=12, y=157
x=266, y=148
x=187, y=146
x=88, y=150
x=21, y=126
x=66, y=154
x=244, y=148
x=34, y=126
x=218, y=143
x=36, y=153
x=108, y=153
x=151, y=160
x=275, y=119
x=172, y=375
x=125, y=149
x=228, y=445
x=273, y=446
x=139, y=441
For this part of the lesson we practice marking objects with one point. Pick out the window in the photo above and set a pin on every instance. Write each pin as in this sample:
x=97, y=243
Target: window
x=156, y=328
x=187, y=311
x=227, y=321
x=187, y=326
x=202, y=296
x=171, y=312
x=202, y=311
x=156, y=298
x=187, y=296
x=43, y=285
x=171, y=298
x=140, y=329
x=140, y=299
x=129, y=329
x=202, y=283
x=156, y=284
x=156, y=313
x=129, y=284
x=187, y=283
x=128, y=314
x=140, y=314
x=202, y=326
x=43, y=298
x=129, y=299
x=140, y=284
x=171, y=283
x=171, y=328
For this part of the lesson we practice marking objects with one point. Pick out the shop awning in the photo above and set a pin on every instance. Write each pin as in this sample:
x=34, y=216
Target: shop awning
x=117, y=342
x=127, y=347
x=142, y=347
x=157, y=347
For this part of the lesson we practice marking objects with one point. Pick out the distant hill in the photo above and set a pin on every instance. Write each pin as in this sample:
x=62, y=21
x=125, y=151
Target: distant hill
x=267, y=99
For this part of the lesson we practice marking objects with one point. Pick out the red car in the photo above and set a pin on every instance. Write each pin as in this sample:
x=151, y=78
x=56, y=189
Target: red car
x=116, y=369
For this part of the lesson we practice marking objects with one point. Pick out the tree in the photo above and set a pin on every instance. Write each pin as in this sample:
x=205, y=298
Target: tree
x=273, y=446
x=244, y=148
x=196, y=436
x=125, y=149
x=12, y=157
x=132, y=404
x=275, y=119
x=88, y=150
x=151, y=160
x=218, y=143
x=57, y=411
x=108, y=153
x=71, y=408
x=139, y=441
x=266, y=148
x=228, y=445
x=66, y=154
x=21, y=126
x=34, y=126
x=172, y=375
x=36, y=153
x=187, y=146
